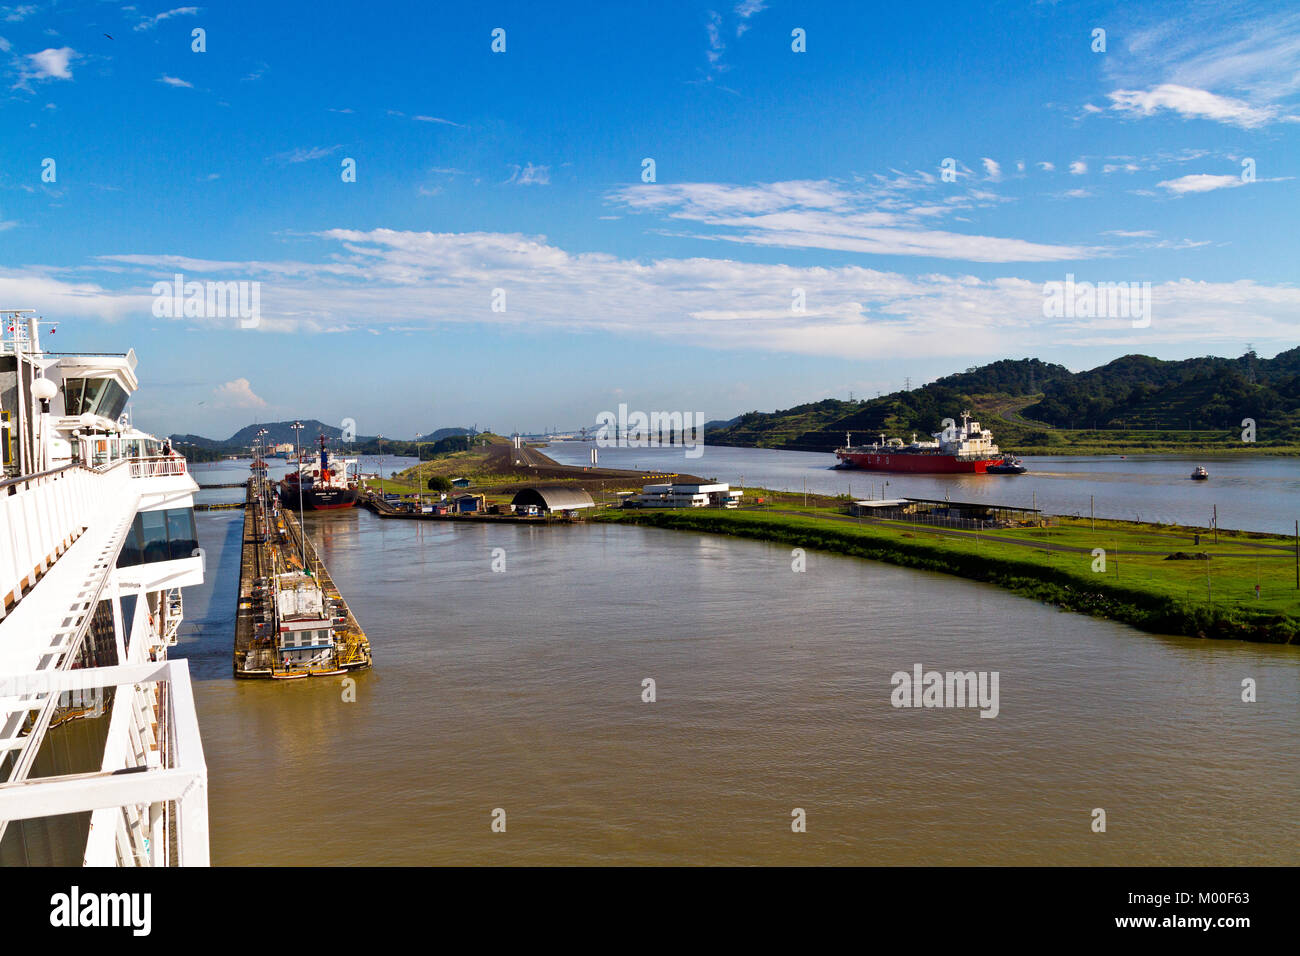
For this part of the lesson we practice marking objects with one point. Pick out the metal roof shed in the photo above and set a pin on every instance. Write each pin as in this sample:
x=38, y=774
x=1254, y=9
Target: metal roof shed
x=553, y=498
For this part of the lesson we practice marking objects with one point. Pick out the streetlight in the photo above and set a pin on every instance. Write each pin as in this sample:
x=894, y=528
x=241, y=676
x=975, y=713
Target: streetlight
x=302, y=508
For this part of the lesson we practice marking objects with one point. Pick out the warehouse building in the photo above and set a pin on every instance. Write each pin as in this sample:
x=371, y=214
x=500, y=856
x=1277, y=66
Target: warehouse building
x=551, y=499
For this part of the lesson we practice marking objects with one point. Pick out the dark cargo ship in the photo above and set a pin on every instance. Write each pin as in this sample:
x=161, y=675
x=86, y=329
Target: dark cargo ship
x=321, y=483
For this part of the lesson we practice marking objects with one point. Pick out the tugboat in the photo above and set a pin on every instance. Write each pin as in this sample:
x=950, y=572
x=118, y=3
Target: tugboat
x=321, y=483
x=1200, y=474
x=1008, y=466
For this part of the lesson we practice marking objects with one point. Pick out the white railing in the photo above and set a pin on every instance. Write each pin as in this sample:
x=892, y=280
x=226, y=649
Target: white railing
x=42, y=515
x=157, y=467
x=169, y=779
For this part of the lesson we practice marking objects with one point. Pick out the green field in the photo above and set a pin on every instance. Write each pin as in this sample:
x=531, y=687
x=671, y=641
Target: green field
x=1139, y=585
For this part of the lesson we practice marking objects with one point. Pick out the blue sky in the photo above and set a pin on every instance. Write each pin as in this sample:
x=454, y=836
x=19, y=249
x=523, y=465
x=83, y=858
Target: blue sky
x=522, y=171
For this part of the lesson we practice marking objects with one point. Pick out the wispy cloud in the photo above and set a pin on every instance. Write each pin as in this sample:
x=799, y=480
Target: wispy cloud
x=1200, y=183
x=148, y=23
x=746, y=9
x=436, y=119
x=1218, y=60
x=1194, y=104
x=375, y=279
x=1078, y=167
x=174, y=81
x=303, y=154
x=992, y=169
x=888, y=217
x=17, y=14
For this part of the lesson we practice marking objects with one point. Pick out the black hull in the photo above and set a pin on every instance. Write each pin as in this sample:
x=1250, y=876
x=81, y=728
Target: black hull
x=318, y=499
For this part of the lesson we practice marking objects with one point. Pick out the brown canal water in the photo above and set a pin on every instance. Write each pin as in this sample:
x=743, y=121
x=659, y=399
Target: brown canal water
x=522, y=690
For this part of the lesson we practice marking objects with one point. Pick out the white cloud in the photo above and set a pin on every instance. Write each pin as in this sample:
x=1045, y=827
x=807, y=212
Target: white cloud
x=371, y=280
x=991, y=169
x=303, y=154
x=746, y=9
x=238, y=394
x=880, y=218
x=1200, y=183
x=50, y=64
x=16, y=14
x=1078, y=167
x=1046, y=166
x=148, y=23
x=1218, y=46
x=173, y=81
x=434, y=119
x=1194, y=104
x=716, y=47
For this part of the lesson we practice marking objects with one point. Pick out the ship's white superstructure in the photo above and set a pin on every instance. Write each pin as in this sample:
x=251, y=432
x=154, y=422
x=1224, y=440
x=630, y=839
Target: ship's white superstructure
x=101, y=761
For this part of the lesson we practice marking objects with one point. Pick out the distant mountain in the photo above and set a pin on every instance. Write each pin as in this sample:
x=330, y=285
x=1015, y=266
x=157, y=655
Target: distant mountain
x=279, y=432
x=197, y=441
x=1023, y=397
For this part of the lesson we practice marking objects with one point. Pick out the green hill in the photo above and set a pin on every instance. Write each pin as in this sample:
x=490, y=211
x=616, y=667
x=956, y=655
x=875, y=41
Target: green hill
x=1135, y=403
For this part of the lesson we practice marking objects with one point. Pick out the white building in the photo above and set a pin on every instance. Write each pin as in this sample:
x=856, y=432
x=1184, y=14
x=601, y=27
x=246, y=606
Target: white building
x=684, y=495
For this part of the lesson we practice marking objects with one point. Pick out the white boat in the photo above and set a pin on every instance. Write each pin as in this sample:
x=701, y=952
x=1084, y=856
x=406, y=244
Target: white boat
x=101, y=762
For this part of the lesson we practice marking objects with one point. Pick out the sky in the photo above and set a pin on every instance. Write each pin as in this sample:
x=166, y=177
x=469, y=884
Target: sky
x=700, y=207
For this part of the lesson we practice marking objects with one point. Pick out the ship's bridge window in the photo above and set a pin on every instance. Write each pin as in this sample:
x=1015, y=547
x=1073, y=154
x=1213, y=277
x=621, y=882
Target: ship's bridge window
x=166, y=535
x=99, y=396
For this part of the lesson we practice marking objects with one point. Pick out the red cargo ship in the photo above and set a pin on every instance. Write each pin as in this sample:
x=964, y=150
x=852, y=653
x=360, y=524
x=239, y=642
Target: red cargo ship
x=966, y=450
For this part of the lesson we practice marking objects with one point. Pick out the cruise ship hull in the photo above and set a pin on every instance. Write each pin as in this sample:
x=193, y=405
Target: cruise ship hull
x=925, y=464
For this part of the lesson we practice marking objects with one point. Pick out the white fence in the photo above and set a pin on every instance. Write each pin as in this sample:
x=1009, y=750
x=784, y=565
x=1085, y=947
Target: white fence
x=157, y=467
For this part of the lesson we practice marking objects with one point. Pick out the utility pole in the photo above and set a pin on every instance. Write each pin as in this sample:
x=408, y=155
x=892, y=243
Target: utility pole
x=1216, y=524
x=302, y=493
x=1297, y=555
x=1092, y=517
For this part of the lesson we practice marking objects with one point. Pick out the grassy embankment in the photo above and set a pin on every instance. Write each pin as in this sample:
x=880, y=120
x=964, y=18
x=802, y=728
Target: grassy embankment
x=1201, y=598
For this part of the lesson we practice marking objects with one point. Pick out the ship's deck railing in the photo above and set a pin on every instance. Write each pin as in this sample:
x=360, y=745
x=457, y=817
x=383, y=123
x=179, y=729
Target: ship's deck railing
x=42, y=515
x=159, y=785
x=157, y=467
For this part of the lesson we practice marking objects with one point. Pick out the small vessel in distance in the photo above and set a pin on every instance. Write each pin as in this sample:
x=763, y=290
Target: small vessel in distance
x=965, y=450
x=1200, y=474
x=321, y=483
x=1010, y=465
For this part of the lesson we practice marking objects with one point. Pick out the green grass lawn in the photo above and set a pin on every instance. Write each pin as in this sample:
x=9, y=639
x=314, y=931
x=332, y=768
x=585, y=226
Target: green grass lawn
x=1214, y=598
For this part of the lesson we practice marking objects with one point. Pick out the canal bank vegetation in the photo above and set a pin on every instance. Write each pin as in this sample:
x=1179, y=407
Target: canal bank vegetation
x=1155, y=577
x=1134, y=405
